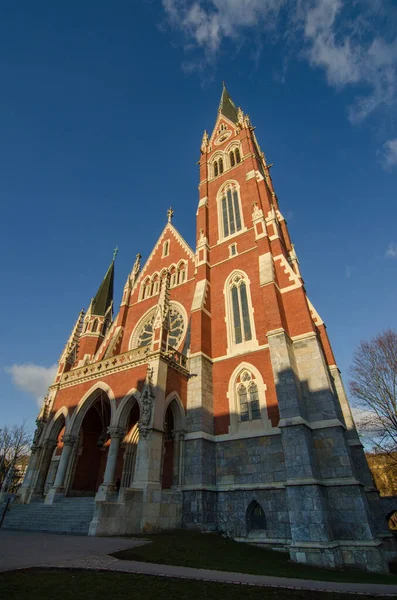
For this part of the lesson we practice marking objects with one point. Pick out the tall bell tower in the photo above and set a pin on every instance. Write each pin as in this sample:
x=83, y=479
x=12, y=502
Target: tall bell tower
x=282, y=425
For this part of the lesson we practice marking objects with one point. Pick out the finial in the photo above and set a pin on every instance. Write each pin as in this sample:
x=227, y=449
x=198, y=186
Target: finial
x=223, y=84
x=170, y=214
x=115, y=252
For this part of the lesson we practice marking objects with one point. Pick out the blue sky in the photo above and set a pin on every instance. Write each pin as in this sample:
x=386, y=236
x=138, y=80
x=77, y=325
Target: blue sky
x=102, y=109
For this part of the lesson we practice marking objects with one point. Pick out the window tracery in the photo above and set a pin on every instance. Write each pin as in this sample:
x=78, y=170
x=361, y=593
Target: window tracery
x=143, y=333
x=247, y=400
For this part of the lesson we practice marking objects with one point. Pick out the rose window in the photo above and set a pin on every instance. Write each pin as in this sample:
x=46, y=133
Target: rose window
x=144, y=334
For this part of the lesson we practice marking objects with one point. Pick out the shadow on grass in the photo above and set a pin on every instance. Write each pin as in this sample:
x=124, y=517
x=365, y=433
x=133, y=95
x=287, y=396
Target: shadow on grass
x=45, y=584
x=212, y=551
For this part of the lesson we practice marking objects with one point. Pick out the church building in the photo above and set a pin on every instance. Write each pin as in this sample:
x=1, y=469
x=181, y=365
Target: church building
x=211, y=399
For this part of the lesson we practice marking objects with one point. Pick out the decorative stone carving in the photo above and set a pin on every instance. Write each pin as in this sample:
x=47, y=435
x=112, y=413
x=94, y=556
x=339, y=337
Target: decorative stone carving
x=38, y=431
x=204, y=142
x=247, y=121
x=240, y=117
x=162, y=318
x=116, y=432
x=257, y=212
x=202, y=240
x=70, y=440
x=146, y=403
x=136, y=268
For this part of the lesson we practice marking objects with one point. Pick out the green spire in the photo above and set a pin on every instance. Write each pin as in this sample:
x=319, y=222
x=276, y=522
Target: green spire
x=104, y=296
x=227, y=106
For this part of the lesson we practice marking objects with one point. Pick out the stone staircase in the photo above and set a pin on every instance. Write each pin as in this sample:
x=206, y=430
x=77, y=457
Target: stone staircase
x=67, y=515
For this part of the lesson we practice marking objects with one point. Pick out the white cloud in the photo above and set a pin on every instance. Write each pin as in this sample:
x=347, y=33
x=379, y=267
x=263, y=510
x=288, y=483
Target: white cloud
x=338, y=36
x=391, y=251
x=388, y=154
x=33, y=379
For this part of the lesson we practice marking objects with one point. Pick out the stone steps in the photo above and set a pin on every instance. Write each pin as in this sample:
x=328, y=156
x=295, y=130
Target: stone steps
x=67, y=515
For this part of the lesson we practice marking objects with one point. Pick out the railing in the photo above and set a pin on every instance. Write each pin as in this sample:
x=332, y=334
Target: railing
x=174, y=358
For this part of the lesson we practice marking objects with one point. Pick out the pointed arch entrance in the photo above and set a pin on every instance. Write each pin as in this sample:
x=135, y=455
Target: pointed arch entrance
x=128, y=420
x=91, y=426
x=51, y=452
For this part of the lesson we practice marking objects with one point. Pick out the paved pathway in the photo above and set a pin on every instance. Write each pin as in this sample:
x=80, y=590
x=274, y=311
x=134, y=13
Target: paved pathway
x=21, y=550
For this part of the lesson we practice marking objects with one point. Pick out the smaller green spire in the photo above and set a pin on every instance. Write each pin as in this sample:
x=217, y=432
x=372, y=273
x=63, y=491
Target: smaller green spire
x=227, y=106
x=104, y=296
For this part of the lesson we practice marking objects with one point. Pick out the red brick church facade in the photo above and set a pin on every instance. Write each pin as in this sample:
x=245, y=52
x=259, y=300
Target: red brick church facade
x=212, y=399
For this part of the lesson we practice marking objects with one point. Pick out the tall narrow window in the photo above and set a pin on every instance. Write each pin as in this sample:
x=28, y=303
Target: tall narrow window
x=238, y=159
x=220, y=165
x=230, y=211
x=240, y=309
x=216, y=168
x=232, y=160
x=95, y=325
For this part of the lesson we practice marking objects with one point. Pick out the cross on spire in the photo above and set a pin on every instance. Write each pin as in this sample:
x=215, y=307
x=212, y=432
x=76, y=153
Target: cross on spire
x=170, y=214
x=115, y=252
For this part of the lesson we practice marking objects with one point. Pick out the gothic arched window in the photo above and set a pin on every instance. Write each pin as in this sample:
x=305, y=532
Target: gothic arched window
x=94, y=325
x=220, y=165
x=256, y=518
x=216, y=168
x=231, y=216
x=248, y=405
x=238, y=158
x=247, y=400
x=241, y=312
x=232, y=160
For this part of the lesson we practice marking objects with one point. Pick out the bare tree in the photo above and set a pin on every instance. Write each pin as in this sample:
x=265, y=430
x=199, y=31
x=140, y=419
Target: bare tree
x=15, y=444
x=373, y=386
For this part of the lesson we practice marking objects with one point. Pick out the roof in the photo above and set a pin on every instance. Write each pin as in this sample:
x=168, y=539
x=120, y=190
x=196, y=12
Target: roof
x=227, y=106
x=104, y=296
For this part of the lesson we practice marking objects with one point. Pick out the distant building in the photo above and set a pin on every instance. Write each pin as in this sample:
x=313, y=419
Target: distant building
x=212, y=400
x=384, y=471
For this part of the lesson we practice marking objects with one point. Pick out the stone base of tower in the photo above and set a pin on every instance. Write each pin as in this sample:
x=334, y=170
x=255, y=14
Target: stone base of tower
x=138, y=511
x=372, y=556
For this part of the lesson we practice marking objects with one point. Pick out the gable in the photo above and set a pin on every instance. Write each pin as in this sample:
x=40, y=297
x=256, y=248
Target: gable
x=158, y=260
x=223, y=131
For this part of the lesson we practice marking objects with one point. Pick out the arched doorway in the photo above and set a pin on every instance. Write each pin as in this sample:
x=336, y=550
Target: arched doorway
x=255, y=517
x=50, y=456
x=92, y=449
x=125, y=469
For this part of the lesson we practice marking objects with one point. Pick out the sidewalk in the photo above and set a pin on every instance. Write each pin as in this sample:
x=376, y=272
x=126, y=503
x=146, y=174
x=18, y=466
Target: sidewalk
x=108, y=563
x=22, y=550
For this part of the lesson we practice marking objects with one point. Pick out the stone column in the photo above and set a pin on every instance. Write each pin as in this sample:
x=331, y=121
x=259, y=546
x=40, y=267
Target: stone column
x=58, y=489
x=26, y=490
x=107, y=488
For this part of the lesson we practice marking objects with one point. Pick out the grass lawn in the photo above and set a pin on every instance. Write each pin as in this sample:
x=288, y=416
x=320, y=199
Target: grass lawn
x=40, y=584
x=212, y=551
